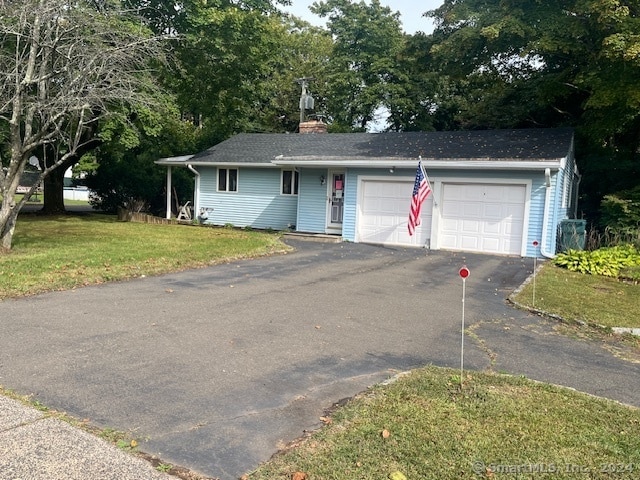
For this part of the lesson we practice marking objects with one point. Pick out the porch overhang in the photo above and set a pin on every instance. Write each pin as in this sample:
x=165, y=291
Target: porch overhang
x=186, y=160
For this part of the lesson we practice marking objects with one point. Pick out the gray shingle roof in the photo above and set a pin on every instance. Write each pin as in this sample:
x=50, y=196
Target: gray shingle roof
x=524, y=144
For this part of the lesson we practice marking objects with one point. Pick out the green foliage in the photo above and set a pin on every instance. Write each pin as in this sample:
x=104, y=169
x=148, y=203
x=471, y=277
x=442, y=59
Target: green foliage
x=514, y=64
x=620, y=211
x=630, y=273
x=605, y=261
x=299, y=50
x=364, y=72
x=129, y=175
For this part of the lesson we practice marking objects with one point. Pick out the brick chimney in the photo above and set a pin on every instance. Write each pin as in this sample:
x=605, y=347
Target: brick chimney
x=313, y=126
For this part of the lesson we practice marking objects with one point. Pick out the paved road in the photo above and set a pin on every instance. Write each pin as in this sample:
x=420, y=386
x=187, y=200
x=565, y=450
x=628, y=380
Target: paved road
x=215, y=369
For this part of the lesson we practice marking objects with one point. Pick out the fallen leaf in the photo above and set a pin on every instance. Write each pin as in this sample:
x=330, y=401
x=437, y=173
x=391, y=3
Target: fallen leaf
x=168, y=290
x=326, y=420
x=299, y=476
x=385, y=433
x=397, y=476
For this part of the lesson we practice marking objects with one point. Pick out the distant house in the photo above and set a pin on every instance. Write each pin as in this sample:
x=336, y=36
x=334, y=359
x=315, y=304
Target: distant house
x=494, y=191
x=27, y=180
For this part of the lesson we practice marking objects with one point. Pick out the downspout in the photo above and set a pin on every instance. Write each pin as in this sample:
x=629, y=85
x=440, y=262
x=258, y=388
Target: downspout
x=576, y=196
x=196, y=193
x=544, y=244
x=168, y=213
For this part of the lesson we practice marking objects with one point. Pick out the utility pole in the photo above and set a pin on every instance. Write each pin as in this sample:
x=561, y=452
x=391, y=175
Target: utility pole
x=306, y=100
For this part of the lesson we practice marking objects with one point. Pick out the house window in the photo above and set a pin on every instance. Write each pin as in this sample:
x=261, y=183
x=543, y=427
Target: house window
x=227, y=179
x=290, y=182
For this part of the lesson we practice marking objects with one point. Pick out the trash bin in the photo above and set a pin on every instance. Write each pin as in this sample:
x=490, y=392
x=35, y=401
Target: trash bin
x=573, y=235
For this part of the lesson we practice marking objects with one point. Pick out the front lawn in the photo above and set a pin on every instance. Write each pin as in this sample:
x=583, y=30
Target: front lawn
x=71, y=251
x=581, y=297
x=424, y=426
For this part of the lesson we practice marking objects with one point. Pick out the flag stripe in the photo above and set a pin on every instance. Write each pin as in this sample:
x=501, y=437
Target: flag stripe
x=421, y=190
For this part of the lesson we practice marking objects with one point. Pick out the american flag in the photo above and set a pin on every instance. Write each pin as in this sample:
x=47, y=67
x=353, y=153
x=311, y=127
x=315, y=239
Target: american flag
x=421, y=190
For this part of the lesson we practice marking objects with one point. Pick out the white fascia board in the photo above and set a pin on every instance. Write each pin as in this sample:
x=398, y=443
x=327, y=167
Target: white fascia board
x=455, y=164
x=185, y=163
x=181, y=160
x=232, y=164
x=494, y=164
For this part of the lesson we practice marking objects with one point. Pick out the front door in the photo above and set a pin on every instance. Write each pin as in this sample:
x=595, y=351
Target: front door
x=335, y=193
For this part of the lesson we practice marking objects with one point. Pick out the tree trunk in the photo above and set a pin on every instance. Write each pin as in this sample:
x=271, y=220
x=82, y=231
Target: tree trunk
x=8, y=216
x=54, y=192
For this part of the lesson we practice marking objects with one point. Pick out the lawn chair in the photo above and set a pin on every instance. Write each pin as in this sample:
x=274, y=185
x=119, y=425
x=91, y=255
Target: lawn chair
x=185, y=212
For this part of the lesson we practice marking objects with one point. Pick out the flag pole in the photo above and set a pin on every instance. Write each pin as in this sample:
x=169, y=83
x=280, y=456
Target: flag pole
x=424, y=172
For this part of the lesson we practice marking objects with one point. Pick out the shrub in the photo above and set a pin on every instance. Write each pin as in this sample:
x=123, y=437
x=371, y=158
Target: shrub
x=605, y=261
x=620, y=211
x=608, y=237
x=631, y=274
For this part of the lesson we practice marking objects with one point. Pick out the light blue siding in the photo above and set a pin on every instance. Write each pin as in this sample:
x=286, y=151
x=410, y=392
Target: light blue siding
x=561, y=207
x=351, y=202
x=536, y=203
x=257, y=203
x=536, y=214
x=312, y=204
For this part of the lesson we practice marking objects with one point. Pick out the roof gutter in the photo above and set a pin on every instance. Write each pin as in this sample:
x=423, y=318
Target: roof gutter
x=170, y=162
x=388, y=162
x=173, y=160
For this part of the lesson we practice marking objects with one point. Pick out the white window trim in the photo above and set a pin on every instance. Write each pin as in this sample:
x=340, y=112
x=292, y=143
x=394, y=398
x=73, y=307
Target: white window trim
x=294, y=174
x=227, y=179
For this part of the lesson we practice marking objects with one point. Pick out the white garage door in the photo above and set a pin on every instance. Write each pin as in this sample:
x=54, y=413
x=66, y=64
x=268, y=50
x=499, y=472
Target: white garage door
x=383, y=214
x=482, y=218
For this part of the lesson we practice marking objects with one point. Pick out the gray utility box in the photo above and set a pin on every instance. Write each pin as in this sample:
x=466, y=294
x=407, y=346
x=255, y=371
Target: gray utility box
x=573, y=235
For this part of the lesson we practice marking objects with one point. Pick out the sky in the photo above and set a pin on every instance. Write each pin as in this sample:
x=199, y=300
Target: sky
x=410, y=12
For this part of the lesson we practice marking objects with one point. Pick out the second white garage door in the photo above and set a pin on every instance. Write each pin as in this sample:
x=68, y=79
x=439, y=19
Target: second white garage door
x=383, y=214
x=482, y=218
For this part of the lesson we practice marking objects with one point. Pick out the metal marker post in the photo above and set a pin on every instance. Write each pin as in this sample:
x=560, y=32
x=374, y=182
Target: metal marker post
x=464, y=273
x=535, y=269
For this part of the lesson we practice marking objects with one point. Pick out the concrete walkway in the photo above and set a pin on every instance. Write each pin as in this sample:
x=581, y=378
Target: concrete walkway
x=216, y=369
x=35, y=446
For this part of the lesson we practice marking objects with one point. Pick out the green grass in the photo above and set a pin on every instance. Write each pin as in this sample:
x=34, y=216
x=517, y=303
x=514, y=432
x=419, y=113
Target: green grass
x=593, y=299
x=71, y=251
x=424, y=425
x=495, y=424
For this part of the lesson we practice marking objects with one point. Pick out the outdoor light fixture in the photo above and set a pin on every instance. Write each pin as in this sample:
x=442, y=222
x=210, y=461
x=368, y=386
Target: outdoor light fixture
x=322, y=180
x=392, y=169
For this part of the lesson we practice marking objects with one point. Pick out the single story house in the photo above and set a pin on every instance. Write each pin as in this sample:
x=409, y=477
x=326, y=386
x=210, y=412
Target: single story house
x=494, y=191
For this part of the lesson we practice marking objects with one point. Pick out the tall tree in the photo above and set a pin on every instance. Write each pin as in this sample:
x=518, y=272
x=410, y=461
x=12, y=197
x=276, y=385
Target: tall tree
x=570, y=62
x=221, y=56
x=64, y=66
x=300, y=51
x=368, y=40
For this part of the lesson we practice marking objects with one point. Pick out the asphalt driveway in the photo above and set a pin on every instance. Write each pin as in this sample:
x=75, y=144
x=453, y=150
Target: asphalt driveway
x=215, y=369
